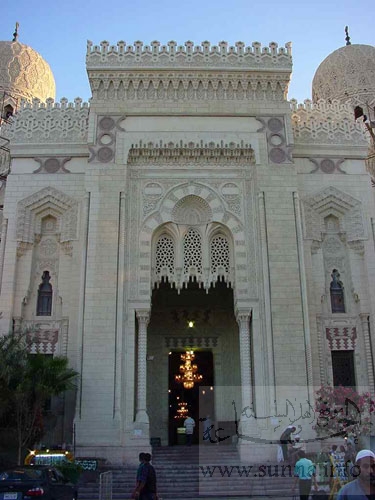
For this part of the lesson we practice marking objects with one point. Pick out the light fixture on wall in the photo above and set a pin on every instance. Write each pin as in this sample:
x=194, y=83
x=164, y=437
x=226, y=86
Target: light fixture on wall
x=188, y=370
x=190, y=324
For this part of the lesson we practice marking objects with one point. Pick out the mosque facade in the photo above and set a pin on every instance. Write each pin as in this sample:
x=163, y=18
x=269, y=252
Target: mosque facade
x=189, y=207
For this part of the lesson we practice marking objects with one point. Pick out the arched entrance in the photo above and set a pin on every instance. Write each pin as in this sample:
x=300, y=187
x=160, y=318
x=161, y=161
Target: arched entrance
x=212, y=335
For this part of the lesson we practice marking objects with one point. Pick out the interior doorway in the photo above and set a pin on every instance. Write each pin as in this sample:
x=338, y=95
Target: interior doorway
x=199, y=401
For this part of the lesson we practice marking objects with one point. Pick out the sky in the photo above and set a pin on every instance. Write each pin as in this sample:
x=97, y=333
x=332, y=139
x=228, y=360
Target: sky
x=59, y=31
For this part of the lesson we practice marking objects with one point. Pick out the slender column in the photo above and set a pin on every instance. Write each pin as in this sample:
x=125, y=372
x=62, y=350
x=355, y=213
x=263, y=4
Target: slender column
x=267, y=301
x=143, y=317
x=305, y=312
x=365, y=321
x=119, y=307
x=82, y=300
x=248, y=424
x=4, y=230
x=321, y=337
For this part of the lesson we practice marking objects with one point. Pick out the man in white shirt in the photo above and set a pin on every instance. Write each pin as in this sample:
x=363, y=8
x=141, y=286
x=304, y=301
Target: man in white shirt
x=189, y=425
x=364, y=486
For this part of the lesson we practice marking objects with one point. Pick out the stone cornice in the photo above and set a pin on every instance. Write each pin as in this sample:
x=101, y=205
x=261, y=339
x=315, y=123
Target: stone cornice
x=198, y=85
x=188, y=56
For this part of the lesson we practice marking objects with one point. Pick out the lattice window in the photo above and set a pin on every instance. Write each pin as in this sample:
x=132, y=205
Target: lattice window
x=44, y=303
x=165, y=254
x=192, y=251
x=219, y=253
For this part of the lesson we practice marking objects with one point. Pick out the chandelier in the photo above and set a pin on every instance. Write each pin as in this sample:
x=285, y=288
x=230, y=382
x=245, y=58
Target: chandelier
x=182, y=411
x=188, y=370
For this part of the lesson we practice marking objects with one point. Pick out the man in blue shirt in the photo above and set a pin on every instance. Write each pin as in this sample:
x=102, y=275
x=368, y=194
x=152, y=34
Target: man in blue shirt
x=304, y=473
x=362, y=488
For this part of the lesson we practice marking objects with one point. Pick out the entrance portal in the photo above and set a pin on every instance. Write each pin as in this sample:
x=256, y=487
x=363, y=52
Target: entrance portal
x=199, y=400
x=191, y=318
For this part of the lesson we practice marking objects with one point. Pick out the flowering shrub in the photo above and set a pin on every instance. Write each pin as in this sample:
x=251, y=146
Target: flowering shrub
x=342, y=411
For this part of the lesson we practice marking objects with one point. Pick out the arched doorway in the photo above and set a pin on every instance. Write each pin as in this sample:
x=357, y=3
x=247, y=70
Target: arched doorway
x=213, y=337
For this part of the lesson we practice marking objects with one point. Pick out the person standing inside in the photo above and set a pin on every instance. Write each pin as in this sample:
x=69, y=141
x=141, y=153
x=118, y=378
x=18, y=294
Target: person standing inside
x=285, y=439
x=189, y=425
x=304, y=473
x=146, y=488
x=363, y=487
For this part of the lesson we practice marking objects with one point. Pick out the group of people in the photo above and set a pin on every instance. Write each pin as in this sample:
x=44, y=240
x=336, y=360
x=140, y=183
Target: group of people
x=361, y=488
x=363, y=468
x=145, y=487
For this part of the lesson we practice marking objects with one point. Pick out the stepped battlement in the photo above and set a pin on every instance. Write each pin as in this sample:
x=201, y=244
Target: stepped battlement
x=325, y=122
x=203, y=56
x=50, y=121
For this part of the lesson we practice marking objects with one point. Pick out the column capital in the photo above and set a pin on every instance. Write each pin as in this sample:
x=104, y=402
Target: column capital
x=243, y=315
x=143, y=316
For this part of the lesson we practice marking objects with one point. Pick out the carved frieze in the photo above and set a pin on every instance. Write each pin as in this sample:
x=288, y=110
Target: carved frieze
x=191, y=154
x=195, y=86
x=190, y=341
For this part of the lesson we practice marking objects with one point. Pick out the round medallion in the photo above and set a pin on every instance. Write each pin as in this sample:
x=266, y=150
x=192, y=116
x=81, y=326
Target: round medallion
x=277, y=155
x=48, y=247
x=52, y=165
x=106, y=123
x=275, y=124
x=327, y=165
x=105, y=154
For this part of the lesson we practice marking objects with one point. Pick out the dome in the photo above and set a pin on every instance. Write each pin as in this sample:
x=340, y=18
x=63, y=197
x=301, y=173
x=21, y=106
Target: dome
x=348, y=72
x=24, y=73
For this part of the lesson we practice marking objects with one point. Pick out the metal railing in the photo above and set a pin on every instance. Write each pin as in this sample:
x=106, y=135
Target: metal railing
x=105, y=485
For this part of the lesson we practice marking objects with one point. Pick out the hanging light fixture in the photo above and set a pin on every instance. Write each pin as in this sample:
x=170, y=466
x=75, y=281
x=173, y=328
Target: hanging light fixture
x=182, y=411
x=188, y=371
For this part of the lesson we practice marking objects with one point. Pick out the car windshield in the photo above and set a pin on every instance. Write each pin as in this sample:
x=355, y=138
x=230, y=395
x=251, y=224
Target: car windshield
x=21, y=475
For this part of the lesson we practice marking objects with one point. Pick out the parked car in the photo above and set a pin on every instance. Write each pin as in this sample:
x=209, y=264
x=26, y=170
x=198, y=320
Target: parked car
x=29, y=481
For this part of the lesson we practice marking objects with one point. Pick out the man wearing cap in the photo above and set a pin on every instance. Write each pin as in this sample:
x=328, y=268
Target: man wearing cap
x=362, y=488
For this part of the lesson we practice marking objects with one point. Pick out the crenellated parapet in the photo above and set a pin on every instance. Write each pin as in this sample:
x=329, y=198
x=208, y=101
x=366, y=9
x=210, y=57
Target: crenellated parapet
x=38, y=122
x=204, y=56
x=325, y=123
x=188, y=72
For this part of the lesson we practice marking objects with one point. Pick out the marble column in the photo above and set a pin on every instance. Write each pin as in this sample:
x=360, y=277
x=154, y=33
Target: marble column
x=143, y=317
x=247, y=428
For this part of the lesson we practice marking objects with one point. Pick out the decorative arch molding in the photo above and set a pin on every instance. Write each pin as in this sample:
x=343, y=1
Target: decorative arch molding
x=192, y=210
x=332, y=201
x=202, y=208
x=47, y=202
